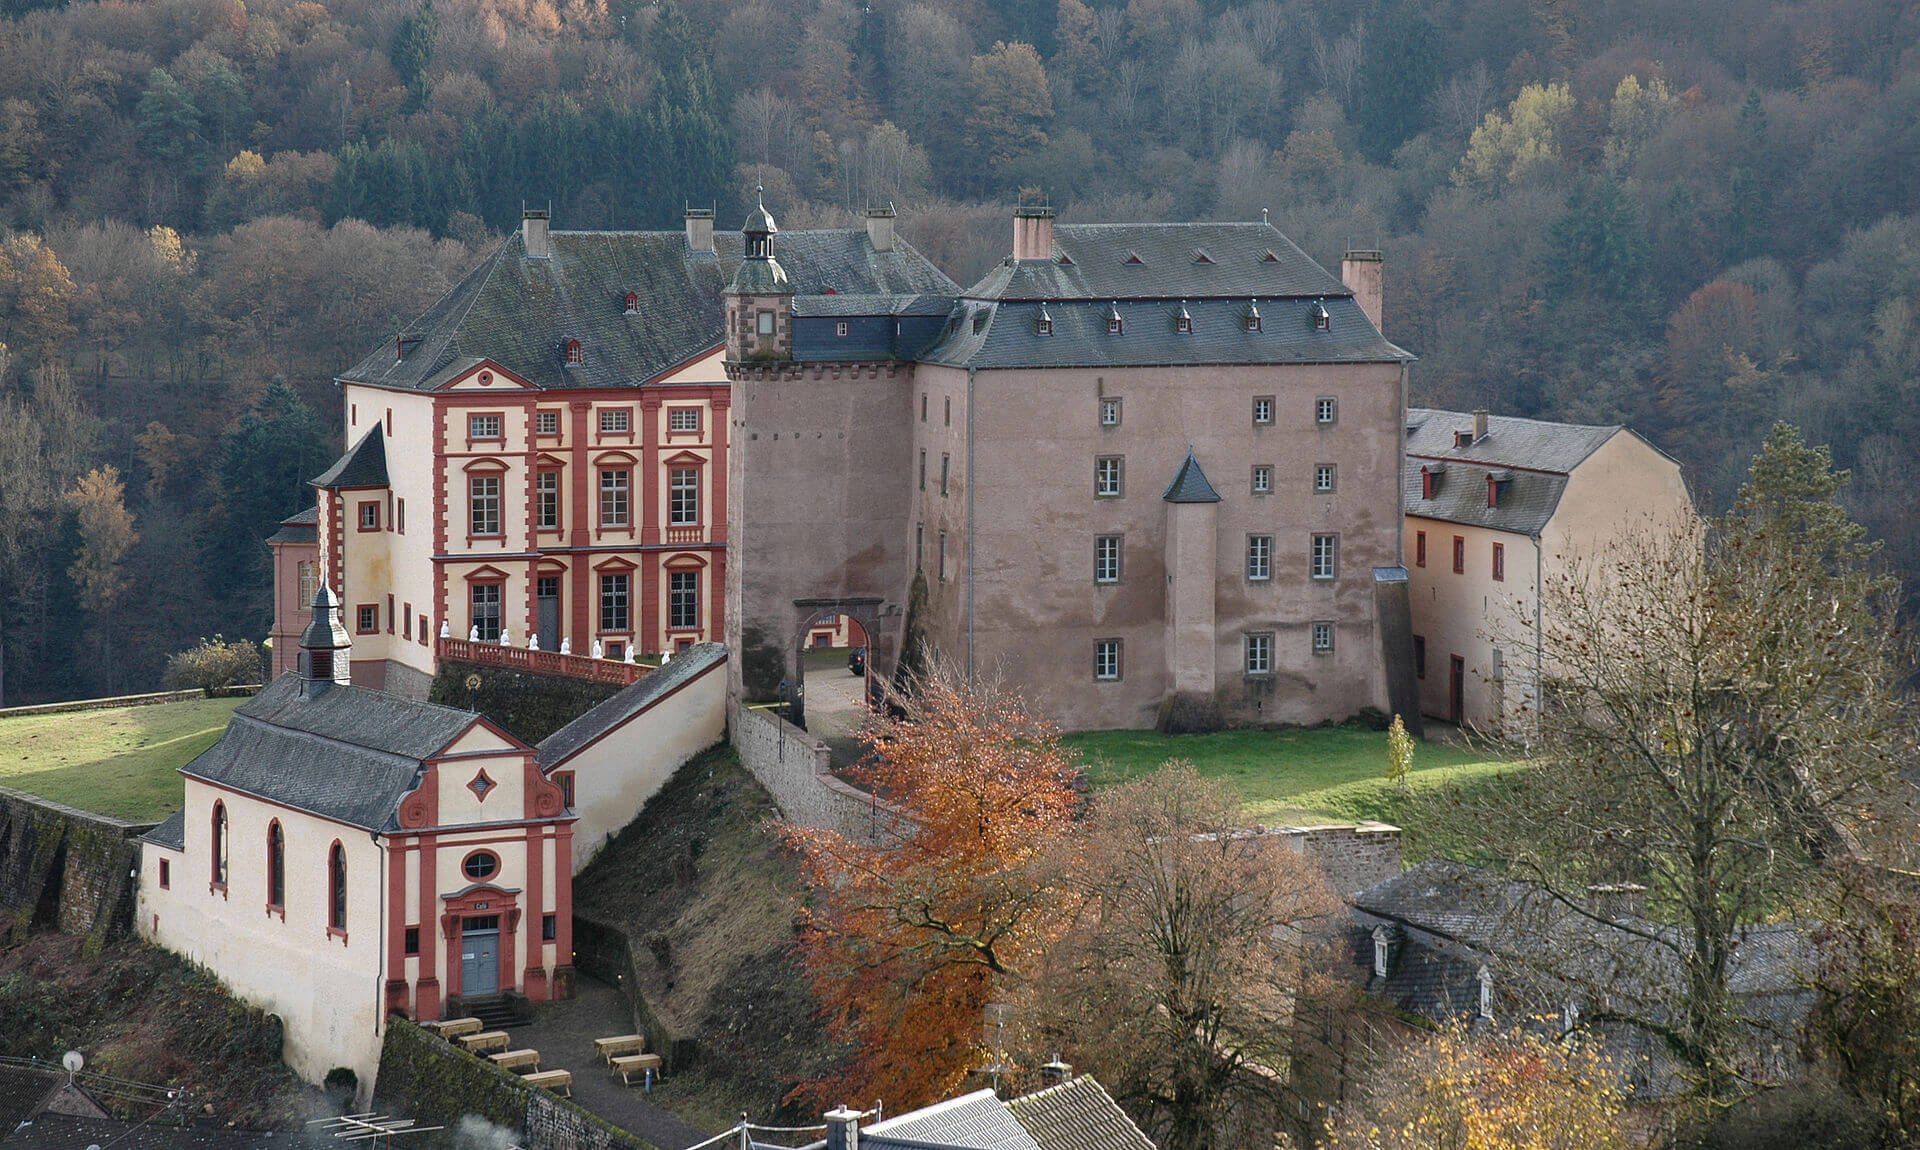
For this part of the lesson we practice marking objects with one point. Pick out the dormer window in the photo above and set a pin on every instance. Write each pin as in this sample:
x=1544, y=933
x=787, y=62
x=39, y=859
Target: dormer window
x=979, y=321
x=1183, y=323
x=1382, y=947
x=572, y=351
x=404, y=344
x=1496, y=486
x=1322, y=319
x=1463, y=439
x=1065, y=260
x=1044, y=325
x=632, y=303
x=1430, y=478
x=1114, y=323
x=1267, y=257
x=1486, y=992
x=1253, y=317
x=1132, y=259
x=1201, y=257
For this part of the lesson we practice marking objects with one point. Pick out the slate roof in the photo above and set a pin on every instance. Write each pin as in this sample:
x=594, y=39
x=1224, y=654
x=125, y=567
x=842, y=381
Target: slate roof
x=1190, y=484
x=348, y=754
x=519, y=312
x=976, y=1121
x=300, y=528
x=1006, y=335
x=914, y=303
x=62, y=1132
x=1077, y=1115
x=1510, y=442
x=1527, y=501
x=1161, y=261
x=171, y=833
x=630, y=701
x=1533, y=458
x=364, y=464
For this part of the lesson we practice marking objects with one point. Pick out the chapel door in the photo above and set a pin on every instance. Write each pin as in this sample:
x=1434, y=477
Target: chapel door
x=547, y=598
x=480, y=956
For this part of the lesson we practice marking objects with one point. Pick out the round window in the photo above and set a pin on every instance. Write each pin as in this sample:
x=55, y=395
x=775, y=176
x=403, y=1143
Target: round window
x=481, y=865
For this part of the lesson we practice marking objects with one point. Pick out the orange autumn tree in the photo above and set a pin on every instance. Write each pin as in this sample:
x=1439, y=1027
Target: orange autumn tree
x=907, y=941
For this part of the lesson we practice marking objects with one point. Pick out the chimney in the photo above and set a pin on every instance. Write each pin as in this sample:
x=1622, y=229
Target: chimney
x=880, y=228
x=1479, y=424
x=1033, y=232
x=699, y=229
x=1614, y=901
x=1361, y=272
x=1055, y=1072
x=843, y=1129
x=533, y=233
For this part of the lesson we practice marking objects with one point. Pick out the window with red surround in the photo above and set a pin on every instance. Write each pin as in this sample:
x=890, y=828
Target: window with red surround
x=1420, y=549
x=166, y=875
x=218, y=855
x=683, y=419
x=616, y=421
x=337, y=891
x=1499, y=562
x=389, y=614
x=369, y=515
x=1459, y=555
x=366, y=618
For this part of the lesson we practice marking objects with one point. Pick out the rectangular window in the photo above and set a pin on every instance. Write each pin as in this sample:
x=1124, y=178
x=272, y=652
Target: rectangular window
x=948, y=402
x=1262, y=410
x=483, y=498
x=309, y=574
x=166, y=874
x=1323, y=477
x=367, y=619
x=613, y=602
x=406, y=625
x=1419, y=657
x=546, y=423
x=923, y=407
x=616, y=421
x=919, y=545
x=840, y=329
x=564, y=780
x=1259, y=652
x=1106, y=558
x=683, y=496
x=946, y=470
x=1459, y=555
x=1263, y=479
x=1325, y=409
x=400, y=516
x=1420, y=549
x=943, y=556
x=615, y=486
x=423, y=628
x=683, y=419
x=1106, y=660
x=923, y=469
x=683, y=599
x=483, y=427
x=1108, y=474
x=1109, y=413
x=1500, y=562
x=369, y=516
x=549, y=927
x=486, y=610
x=413, y=940
x=1325, y=550
x=1323, y=637
x=1259, y=557
x=546, y=500
x=763, y=323
x=389, y=614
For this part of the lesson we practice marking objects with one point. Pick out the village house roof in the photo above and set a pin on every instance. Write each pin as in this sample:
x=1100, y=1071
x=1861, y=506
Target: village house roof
x=364, y=465
x=1077, y=1115
x=1531, y=460
x=520, y=313
x=349, y=754
x=569, y=740
x=976, y=1121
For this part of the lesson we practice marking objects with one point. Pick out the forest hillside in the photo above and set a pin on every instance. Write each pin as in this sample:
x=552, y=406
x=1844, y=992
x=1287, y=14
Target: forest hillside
x=1693, y=218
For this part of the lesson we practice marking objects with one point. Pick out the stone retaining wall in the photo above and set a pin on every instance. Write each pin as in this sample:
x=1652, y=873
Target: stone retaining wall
x=65, y=868
x=127, y=701
x=796, y=768
x=605, y=952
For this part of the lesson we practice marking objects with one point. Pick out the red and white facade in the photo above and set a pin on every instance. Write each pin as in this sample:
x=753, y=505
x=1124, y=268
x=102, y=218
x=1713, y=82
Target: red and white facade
x=584, y=516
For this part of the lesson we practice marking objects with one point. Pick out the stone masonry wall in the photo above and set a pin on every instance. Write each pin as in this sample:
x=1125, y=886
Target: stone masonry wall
x=425, y=1078
x=1352, y=856
x=64, y=868
x=796, y=769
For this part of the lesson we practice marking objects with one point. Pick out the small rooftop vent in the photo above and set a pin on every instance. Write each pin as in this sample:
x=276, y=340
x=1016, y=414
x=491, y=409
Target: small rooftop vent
x=1132, y=258
x=1267, y=257
x=1200, y=256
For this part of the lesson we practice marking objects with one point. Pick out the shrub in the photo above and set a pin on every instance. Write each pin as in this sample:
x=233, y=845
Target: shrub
x=212, y=664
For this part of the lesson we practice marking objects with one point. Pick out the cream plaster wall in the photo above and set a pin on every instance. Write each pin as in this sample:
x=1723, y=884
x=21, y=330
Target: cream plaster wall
x=392, y=561
x=709, y=368
x=1472, y=615
x=327, y=990
x=615, y=776
x=1623, y=489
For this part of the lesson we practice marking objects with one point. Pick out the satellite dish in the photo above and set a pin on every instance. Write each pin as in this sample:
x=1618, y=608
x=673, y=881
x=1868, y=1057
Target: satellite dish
x=73, y=1060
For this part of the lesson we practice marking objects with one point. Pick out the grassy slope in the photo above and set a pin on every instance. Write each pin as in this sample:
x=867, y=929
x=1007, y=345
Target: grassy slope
x=121, y=761
x=699, y=878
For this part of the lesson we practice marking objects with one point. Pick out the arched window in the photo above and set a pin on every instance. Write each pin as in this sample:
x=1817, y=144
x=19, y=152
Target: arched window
x=337, y=888
x=220, y=845
x=633, y=302
x=276, y=866
x=572, y=348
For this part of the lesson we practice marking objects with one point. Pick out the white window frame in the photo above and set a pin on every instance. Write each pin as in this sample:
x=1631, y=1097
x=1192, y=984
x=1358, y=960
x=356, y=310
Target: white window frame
x=1107, y=665
x=1326, y=409
x=1109, y=476
x=1263, y=479
x=616, y=497
x=1259, y=558
x=546, y=500
x=483, y=427
x=682, y=419
x=1323, y=637
x=1325, y=476
x=616, y=421
x=1110, y=412
x=546, y=423
x=1263, y=411
x=483, y=507
x=1324, y=558
x=1257, y=649
x=1107, y=552
x=683, y=496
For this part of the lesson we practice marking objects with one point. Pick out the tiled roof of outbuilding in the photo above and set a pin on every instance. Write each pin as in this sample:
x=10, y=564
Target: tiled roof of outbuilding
x=364, y=464
x=1527, y=501
x=348, y=754
x=1077, y=1115
x=609, y=713
x=171, y=833
x=301, y=527
x=520, y=312
x=1510, y=442
x=976, y=1121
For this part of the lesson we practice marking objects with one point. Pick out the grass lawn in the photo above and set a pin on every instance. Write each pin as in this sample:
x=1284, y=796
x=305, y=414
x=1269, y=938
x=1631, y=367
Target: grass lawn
x=1322, y=773
x=119, y=762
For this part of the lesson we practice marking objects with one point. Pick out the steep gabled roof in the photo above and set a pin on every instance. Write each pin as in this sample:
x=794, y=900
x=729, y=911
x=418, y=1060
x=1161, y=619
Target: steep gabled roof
x=976, y=1121
x=520, y=312
x=1078, y=1114
x=1161, y=261
x=364, y=464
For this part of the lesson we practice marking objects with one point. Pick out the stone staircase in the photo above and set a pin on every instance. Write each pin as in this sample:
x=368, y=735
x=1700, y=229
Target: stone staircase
x=493, y=1011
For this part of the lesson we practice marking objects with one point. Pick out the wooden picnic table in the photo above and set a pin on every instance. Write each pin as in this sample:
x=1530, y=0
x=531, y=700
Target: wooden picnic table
x=485, y=1040
x=626, y=1066
x=516, y=1060
x=451, y=1028
x=559, y=1081
x=608, y=1048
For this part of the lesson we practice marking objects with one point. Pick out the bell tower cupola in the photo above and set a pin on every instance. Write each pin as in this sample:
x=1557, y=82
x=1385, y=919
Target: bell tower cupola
x=760, y=298
x=324, y=646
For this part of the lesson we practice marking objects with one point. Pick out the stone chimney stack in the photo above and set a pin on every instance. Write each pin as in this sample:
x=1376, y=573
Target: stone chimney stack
x=843, y=1129
x=533, y=233
x=1033, y=232
x=699, y=229
x=1055, y=1072
x=1361, y=272
x=880, y=228
x=1479, y=424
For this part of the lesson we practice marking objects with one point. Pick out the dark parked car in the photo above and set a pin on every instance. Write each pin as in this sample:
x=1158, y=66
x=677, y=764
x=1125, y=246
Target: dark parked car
x=857, y=662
